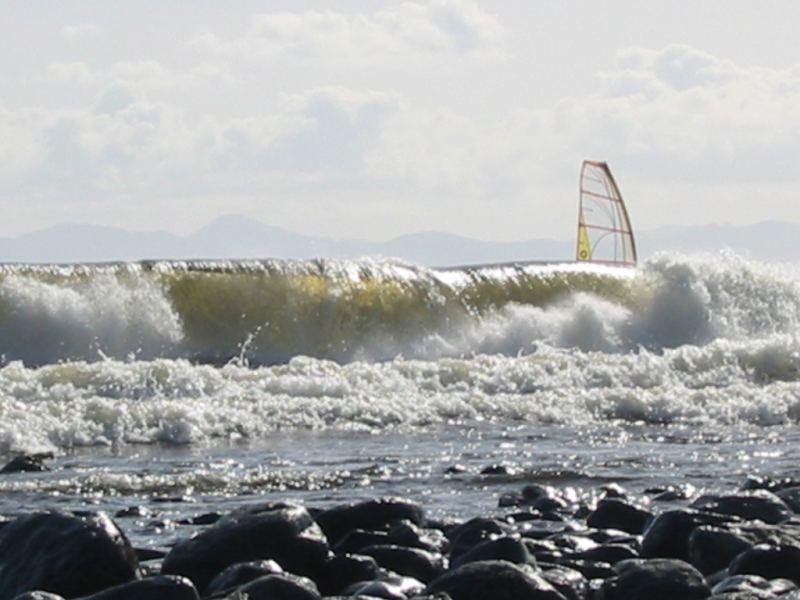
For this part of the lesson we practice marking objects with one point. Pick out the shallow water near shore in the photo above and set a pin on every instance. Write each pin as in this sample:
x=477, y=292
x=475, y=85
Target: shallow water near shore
x=193, y=388
x=325, y=468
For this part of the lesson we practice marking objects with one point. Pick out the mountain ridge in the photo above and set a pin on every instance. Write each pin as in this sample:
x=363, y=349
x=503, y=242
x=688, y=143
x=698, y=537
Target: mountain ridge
x=237, y=236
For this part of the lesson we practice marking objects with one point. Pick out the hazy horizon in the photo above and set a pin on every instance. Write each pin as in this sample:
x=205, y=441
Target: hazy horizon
x=375, y=119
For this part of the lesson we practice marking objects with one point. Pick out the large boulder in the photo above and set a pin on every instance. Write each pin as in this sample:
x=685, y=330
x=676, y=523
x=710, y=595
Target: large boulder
x=711, y=549
x=495, y=579
x=756, y=505
x=655, y=579
x=770, y=562
x=284, y=533
x=411, y=562
x=667, y=536
x=240, y=574
x=615, y=513
x=503, y=548
x=61, y=553
x=370, y=515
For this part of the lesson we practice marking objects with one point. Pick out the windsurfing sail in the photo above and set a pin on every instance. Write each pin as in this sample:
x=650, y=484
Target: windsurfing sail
x=604, y=228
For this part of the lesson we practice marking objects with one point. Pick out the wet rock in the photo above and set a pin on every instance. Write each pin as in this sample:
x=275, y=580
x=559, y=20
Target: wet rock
x=390, y=588
x=711, y=549
x=614, y=490
x=473, y=532
x=497, y=470
x=503, y=548
x=240, y=574
x=569, y=582
x=163, y=587
x=343, y=571
x=455, y=470
x=655, y=579
x=591, y=569
x=38, y=596
x=26, y=463
x=370, y=515
x=63, y=554
x=277, y=587
x=411, y=562
x=355, y=540
x=608, y=553
x=667, y=535
x=765, y=482
x=790, y=497
x=145, y=554
x=283, y=533
x=405, y=533
x=759, y=504
x=498, y=580
x=752, y=584
x=205, y=519
x=770, y=562
x=615, y=513
x=134, y=512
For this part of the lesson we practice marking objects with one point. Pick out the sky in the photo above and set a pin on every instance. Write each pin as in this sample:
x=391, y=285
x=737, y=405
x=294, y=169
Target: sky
x=372, y=119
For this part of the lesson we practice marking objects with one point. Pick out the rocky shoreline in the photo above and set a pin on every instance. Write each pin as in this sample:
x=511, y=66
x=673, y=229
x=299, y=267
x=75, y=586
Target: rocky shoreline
x=541, y=543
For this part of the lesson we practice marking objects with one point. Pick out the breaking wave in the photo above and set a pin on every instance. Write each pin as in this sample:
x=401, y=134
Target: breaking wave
x=266, y=312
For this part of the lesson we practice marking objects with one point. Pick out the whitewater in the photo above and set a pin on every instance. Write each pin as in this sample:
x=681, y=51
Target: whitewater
x=228, y=379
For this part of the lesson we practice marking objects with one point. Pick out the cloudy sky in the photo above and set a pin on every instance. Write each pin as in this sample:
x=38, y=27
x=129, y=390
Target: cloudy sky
x=370, y=119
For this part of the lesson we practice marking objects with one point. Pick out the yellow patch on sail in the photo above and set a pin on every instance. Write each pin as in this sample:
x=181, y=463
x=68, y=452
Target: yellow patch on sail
x=584, y=249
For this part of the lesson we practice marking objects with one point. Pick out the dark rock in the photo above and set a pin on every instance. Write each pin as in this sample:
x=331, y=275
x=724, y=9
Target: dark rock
x=345, y=570
x=608, y=553
x=667, y=535
x=63, y=554
x=496, y=470
x=759, y=504
x=569, y=582
x=25, y=463
x=405, y=533
x=411, y=562
x=145, y=554
x=473, y=532
x=133, y=511
x=277, y=587
x=656, y=579
x=751, y=584
x=790, y=497
x=755, y=482
x=711, y=549
x=163, y=587
x=615, y=513
x=286, y=534
x=241, y=573
x=503, y=548
x=614, y=490
x=355, y=540
x=495, y=580
x=533, y=492
x=591, y=569
x=547, y=504
x=38, y=596
x=455, y=470
x=388, y=587
x=369, y=515
x=205, y=519
x=770, y=562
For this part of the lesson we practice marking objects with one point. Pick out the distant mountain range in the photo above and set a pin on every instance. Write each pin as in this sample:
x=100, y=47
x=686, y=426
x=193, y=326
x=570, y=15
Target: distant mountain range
x=240, y=237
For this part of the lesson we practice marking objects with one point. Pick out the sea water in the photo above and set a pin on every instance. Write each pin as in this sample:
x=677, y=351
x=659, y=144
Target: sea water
x=190, y=387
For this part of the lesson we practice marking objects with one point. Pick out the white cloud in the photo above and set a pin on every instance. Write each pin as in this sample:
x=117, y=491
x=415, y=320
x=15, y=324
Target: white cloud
x=402, y=34
x=675, y=114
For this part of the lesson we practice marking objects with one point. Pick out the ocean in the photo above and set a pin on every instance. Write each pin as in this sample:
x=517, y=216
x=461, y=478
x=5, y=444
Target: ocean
x=190, y=387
